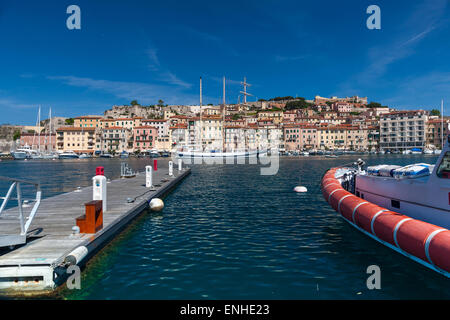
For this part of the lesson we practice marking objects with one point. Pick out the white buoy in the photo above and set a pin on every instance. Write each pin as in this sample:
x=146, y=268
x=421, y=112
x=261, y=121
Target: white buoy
x=300, y=189
x=156, y=204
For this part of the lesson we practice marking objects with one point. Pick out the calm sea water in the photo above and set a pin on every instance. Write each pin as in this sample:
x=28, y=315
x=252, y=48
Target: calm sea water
x=227, y=232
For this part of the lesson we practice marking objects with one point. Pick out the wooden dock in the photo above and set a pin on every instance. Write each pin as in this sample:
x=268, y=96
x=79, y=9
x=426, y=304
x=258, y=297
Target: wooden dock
x=36, y=267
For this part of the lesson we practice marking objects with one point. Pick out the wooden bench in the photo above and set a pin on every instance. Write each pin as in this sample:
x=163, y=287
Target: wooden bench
x=92, y=221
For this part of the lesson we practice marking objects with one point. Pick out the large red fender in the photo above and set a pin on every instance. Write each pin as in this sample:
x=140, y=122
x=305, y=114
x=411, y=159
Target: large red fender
x=412, y=235
x=384, y=225
x=425, y=241
x=438, y=250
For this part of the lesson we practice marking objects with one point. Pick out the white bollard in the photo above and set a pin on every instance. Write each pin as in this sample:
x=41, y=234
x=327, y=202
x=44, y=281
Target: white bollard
x=99, y=190
x=148, y=176
x=170, y=168
x=180, y=163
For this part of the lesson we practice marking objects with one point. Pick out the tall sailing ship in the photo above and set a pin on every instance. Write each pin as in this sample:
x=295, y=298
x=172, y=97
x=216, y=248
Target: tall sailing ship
x=218, y=149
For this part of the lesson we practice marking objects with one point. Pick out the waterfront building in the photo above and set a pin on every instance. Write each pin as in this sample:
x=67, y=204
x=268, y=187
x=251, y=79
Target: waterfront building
x=401, y=130
x=46, y=141
x=116, y=140
x=373, y=137
x=163, y=141
x=179, y=135
x=434, y=137
x=342, y=137
x=145, y=138
x=300, y=137
x=79, y=140
x=207, y=132
x=235, y=138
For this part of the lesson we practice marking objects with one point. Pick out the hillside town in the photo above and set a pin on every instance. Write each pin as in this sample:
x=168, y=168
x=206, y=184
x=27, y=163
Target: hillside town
x=290, y=125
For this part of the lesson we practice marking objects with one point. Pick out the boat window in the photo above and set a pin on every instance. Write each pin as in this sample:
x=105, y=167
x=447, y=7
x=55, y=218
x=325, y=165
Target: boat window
x=444, y=167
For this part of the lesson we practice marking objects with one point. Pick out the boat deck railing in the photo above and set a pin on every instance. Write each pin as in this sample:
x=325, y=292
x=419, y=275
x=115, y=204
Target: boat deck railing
x=12, y=240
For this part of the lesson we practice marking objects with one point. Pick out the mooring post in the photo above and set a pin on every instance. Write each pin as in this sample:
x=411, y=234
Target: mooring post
x=171, y=168
x=99, y=190
x=180, y=163
x=148, y=177
x=155, y=165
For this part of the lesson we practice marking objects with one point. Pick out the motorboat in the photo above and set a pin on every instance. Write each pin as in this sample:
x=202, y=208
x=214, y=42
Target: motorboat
x=405, y=208
x=68, y=155
x=124, y=155
x=106, y=155
x=85, y=156
x=20, y=154
x=154, y=154
x=428, y=151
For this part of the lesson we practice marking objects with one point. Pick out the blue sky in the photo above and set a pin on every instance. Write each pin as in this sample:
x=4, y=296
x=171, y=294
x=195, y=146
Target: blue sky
x=151, y=50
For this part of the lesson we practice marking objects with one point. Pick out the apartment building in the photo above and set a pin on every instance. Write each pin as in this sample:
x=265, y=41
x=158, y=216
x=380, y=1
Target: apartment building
x=144, y=138
x=45, y=141
x=402, y=130
x=116, y=140
x=434, y=135
x=275, y=116
x=341, y=107
x=179, y=135
x=300, y=137
x=79, y=140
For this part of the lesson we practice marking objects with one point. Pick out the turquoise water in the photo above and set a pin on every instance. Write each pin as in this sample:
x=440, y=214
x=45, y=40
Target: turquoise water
x=227, y=232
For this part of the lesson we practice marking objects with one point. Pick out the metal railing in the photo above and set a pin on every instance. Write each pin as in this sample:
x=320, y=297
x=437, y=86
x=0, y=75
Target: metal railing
x=12, y=240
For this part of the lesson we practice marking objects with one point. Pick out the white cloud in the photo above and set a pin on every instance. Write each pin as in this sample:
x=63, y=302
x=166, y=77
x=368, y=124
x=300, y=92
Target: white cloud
x=143, y=92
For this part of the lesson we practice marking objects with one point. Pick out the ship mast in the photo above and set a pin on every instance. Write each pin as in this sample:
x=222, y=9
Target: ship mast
x=50, y=129
x=245, y=93
x=442, y=124
x=201, y=125
x=223, y=117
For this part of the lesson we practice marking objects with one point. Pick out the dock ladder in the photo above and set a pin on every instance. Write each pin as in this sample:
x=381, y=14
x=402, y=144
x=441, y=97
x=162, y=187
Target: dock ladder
x=11, y=240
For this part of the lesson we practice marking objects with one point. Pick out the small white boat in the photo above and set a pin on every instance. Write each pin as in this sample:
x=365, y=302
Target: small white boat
x=85, y=156
x=305, y=153
x=437, y=151
x=428, y=151
x=68, y=155
x=106, y=155
x=20, y=154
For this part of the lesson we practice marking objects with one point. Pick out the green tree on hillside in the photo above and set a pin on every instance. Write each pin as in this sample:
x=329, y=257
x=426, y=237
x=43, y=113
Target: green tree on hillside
x=300, y=103
x=16, y=135
x=375, y=105
x=435, y=112
x=160, y=103
x=134, y=103
x=70, y=121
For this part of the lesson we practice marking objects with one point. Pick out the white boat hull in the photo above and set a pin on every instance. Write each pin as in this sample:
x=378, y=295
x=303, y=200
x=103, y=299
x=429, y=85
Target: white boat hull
x=199, y=154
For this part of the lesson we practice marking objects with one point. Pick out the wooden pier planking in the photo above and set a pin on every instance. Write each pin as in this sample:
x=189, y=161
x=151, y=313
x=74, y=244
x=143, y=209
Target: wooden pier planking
x=56, y=217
